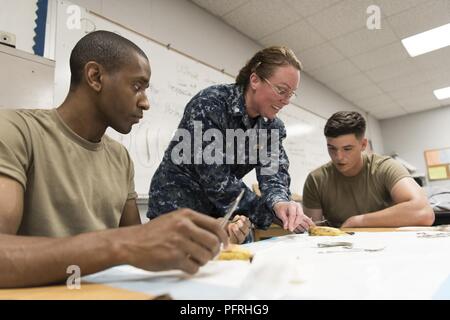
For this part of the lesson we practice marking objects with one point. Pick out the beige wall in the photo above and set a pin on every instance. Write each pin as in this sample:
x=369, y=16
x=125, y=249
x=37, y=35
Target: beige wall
x=18, y=17
x=411, y=135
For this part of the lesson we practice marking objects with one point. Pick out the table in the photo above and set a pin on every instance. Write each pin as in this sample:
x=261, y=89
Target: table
x=294, y=267
x=87, y=291
x=289, y=267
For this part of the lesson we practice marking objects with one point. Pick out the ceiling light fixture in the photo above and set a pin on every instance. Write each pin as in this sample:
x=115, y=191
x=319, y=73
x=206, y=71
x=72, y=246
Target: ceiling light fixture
x=427, y=41
x=443, y=93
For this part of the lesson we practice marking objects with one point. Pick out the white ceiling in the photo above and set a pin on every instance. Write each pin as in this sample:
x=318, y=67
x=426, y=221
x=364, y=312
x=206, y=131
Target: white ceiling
x=370, y=68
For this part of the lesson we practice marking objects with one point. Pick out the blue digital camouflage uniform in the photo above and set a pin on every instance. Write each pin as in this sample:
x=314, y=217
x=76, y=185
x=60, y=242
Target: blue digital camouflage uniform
x=211, y=188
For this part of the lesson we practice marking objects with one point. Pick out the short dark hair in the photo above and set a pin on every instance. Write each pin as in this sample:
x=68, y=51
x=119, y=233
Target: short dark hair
x=345, y=122
x=264, y=63
x=107, y=48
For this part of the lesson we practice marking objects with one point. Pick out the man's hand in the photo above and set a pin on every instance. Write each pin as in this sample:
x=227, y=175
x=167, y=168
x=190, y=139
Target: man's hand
x=183, y=239
x=353, y=222
x=292, y=217
x=238, y=229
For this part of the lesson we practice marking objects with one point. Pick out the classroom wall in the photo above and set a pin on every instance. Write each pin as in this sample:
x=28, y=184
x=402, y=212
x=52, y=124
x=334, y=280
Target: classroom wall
x=195, y=32
x=36, y=91
x=18, y=17
x=411, y=135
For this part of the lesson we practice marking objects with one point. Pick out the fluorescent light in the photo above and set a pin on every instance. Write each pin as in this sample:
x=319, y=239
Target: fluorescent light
x=442, y=94
x=427, y=41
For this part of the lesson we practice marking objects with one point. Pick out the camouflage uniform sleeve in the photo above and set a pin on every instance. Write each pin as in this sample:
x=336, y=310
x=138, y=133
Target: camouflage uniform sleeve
x=273, y=177
x=219, y=184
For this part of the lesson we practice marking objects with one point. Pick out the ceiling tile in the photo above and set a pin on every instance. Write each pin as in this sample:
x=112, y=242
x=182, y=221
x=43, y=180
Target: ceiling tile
x=391, y=70
x=341, y=18
x=379, y=57
x=435, y=61
x=364, y=40
x=370, y=68
x=379, y=102
x=347, y=84
x=421, y=91
x=440, y=80
x=443, y=74
x=385, y=107
x=426, y=16
x=391, y=7
x=298, y=36
x=321, y=55
x=219, y=8
x=259, y=18
x=394, y=112
x=402, y=82
x=362, y=93
x=334, y=71
x=413, y=105
x=310, y=7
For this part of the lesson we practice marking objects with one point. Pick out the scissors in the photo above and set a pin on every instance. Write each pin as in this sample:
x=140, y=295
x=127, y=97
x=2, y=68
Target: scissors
x=230, y=211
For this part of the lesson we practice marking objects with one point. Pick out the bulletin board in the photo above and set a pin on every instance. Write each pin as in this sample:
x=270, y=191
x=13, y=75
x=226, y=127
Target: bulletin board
x=438, y=163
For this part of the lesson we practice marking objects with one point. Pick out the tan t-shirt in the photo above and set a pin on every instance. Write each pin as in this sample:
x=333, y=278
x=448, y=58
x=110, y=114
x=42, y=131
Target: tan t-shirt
x=71, y=185
x=341, y=197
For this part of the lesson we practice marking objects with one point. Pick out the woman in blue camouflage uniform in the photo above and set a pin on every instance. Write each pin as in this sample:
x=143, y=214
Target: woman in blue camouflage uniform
x=263, y=87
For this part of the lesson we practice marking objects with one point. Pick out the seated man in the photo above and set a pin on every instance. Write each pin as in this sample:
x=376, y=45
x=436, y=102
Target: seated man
x=65, y=187
x=360, y=190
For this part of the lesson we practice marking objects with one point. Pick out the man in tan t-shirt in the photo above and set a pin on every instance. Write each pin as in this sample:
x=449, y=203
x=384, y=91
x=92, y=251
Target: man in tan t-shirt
x=65, y=188
x=360, y=190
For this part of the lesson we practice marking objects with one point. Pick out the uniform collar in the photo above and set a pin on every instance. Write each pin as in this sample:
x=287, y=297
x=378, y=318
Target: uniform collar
x=238, y=108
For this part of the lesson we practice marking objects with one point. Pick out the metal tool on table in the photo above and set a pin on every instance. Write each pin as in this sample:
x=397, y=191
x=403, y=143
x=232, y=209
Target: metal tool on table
x=320, y=222
x=348, y=246
x=233, y=207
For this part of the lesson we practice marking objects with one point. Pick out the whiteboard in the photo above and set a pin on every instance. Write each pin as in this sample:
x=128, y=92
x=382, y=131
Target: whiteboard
x=175, y=79
x=305, y=143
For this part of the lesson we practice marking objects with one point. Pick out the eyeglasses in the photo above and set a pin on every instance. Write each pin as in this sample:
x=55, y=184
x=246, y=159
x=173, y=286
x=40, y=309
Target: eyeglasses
x=282, y=92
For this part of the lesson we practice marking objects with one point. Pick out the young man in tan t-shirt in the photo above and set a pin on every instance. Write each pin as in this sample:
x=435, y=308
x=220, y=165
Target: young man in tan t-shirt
x=361, y=190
